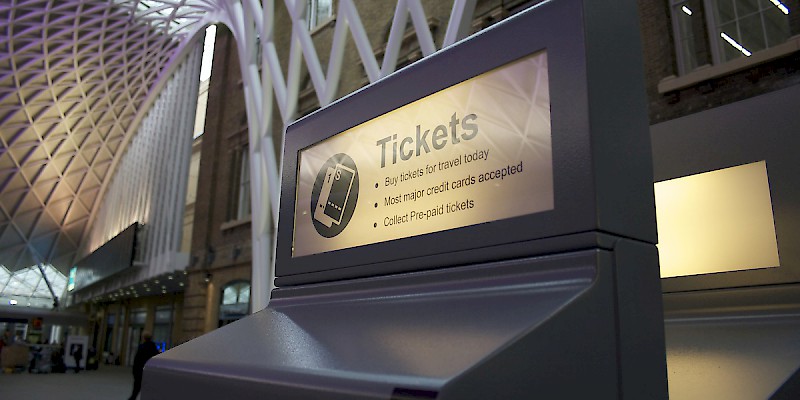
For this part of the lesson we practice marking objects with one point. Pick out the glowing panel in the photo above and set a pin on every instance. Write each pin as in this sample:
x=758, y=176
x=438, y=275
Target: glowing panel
x=717, y=221
x=475, y=152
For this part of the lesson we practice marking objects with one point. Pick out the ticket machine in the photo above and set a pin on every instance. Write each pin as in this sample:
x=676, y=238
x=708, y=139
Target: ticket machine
x=478, y=225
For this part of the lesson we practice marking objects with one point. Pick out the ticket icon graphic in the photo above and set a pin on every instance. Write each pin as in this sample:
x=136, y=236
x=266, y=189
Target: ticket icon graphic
x=334, y=195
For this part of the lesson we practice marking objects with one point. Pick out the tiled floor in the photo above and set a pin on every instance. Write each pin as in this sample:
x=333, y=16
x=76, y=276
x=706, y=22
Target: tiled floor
x=106, y=383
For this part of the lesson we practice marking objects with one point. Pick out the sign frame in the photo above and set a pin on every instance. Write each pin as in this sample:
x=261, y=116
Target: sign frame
x=475, y=152
x=595, y=191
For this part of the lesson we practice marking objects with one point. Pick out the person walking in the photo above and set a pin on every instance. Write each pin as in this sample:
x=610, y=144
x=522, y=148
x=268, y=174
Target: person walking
x=144, y=352
x=4, y=340
x=77, y=354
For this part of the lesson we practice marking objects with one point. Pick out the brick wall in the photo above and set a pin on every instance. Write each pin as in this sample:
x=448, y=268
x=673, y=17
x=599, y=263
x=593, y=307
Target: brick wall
x=660, y=62
x=220, y=247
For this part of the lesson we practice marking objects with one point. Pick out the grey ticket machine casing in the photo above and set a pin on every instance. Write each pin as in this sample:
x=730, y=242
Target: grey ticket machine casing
x=563, y=302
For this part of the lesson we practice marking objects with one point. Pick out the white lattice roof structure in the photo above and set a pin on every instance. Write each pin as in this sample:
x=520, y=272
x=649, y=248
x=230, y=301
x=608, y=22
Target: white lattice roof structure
x=78, y=76
x=75, y=79
x=28, y=287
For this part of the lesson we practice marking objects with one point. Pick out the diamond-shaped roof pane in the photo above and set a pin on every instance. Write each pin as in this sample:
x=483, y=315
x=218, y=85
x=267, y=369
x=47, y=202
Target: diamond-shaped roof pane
x=28, y=288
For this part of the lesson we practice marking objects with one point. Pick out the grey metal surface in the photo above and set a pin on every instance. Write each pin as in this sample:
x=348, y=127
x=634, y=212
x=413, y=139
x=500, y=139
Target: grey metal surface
x=375, y=338
x=497, y=330
x=580, y=353
x=601, y=165
x=746, y=356
x=737, y=343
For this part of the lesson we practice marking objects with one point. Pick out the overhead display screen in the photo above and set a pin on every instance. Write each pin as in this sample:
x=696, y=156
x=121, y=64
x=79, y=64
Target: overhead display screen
x=476, y=152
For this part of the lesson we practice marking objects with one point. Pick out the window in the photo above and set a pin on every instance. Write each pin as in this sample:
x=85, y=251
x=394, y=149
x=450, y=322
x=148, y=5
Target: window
x=119, y=345
x=718, y=31
x=138, y=319
x=239, y=202
x=138, y=316
x=318, y=11
x=235, y=302
x=162, y=327
x=109, y=333
x=690, y=36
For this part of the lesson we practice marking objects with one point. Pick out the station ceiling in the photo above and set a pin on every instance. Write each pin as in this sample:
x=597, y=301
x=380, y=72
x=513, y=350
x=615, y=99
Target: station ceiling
x=76, y=77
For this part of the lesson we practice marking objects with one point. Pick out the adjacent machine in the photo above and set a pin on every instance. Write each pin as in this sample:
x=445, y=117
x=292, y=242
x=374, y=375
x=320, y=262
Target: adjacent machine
x=478, y=225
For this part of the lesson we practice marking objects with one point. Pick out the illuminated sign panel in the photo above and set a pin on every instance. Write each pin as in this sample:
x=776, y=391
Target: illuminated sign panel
x=718, y=221
x=475, y=152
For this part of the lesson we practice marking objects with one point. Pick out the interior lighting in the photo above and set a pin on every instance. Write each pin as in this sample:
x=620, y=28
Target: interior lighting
x=687, y=10
x=12, y=302
x=735, y=44
x=780, y=6
x=169, y=277
x=718, y=221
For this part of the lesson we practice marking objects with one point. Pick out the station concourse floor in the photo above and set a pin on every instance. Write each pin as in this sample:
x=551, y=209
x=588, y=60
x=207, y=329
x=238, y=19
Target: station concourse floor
x=109, y=382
